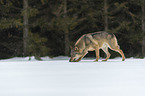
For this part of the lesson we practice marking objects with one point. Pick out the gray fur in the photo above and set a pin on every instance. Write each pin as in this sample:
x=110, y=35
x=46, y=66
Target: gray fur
x=94, y=42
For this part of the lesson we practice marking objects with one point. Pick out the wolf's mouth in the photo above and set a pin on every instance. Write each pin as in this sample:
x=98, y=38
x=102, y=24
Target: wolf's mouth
x=72, y=60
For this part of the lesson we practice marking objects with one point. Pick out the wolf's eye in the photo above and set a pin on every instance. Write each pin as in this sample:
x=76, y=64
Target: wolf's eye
x=76, y=48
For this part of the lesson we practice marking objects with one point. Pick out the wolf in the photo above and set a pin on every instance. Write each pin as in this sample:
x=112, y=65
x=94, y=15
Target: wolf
x=93, y=42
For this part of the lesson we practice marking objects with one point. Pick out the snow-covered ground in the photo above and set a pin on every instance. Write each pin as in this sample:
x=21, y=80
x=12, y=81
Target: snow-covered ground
x=58, y=77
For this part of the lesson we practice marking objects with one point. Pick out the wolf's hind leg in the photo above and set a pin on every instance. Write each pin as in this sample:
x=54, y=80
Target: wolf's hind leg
x=105, y=49
x=113, y=45
x=117, y=49
x=121, y=52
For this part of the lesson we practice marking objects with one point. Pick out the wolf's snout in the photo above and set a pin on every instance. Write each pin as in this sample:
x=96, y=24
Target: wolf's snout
x=71, y=59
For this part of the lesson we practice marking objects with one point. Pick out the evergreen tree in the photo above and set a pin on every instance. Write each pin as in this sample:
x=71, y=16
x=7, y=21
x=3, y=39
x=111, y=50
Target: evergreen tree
x=10, y=28
x=55, y=24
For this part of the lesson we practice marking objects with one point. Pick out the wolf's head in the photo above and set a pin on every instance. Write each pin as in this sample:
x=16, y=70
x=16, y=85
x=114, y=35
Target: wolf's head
x=75, y=54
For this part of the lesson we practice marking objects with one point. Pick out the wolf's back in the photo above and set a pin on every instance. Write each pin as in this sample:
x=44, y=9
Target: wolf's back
x=102, y=35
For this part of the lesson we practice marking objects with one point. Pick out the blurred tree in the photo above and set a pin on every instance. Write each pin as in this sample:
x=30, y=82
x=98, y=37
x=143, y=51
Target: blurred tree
x=10, y=28
x=125, y=23
x=143, y=26
x=106, y=15
x=36, y=43
x=25, y=27
x=55, y=24
x=66, y=31
x=37, y=46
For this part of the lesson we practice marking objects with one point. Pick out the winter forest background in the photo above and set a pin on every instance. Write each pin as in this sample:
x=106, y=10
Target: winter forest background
x=48, y=27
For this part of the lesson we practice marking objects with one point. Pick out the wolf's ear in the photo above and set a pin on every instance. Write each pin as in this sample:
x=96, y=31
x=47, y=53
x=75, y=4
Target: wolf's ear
x=76, y=48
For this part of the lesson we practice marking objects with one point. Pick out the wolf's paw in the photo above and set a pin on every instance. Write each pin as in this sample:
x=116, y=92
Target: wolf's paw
x=96, y=60
x=104, y=60
x=123, y=59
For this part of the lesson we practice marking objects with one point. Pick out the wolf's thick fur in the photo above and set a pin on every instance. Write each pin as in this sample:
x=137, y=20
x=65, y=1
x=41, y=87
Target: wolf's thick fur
x=95, y=41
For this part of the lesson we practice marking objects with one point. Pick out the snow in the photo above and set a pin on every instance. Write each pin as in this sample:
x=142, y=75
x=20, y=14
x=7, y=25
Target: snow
x=58, y=77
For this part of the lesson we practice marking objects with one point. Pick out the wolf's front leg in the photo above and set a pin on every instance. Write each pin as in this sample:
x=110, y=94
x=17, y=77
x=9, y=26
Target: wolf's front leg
x=78, y=59
x=97, y=54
